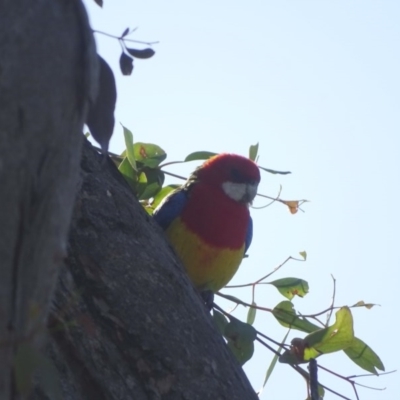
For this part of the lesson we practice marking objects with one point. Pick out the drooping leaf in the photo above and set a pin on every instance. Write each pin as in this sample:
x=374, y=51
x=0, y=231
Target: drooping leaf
x=290, y=287
x=251, y=315
x=150, y=155
x=240, y=337
x=100, y=116
x=303, y=254
x=361, y=303
x=361, y=354
x=274, y=360
x=292, y=204
x=155, y=179
x=129, y=151
x=125, y=64
x=125, y=32
x=272, y=171
x=220, y=321
x=337, y=337
x=285, y=314
x=143, y=54
x=141, y=183
x=199, y=155
x=253, y=151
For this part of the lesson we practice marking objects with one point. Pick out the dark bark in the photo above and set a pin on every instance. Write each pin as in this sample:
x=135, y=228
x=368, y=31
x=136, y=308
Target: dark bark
x=46, y=69
x=126, y=321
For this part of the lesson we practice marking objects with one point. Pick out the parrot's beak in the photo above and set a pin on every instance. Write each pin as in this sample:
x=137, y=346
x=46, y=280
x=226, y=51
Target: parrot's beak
x=251, y=191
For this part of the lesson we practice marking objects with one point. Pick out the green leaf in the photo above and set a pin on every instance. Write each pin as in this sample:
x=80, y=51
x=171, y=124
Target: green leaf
x=154, y=179
x=251, y=315
x=128, y=173
x=159, y=197
x=253, y=151
x=143, y=53
x=240, y=337
x=272, y=171
x=361, y=303
x=290, y=287
x=141, y=184
x=150, y=155
x=303, y=254
x=199, y=155
x=129, y=147
x=150, y=190
x=274, y=360
x=87, y=134
x=286, y=316
x=337, y=337
x=220, y=321
x=361, y=354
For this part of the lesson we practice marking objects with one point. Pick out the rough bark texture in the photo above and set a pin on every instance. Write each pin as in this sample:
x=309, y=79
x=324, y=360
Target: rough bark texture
x=46, y=64
x=126, y=322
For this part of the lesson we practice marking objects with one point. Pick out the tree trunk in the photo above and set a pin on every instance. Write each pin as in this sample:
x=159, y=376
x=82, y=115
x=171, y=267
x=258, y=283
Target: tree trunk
x=47, y=57
x=126, y=323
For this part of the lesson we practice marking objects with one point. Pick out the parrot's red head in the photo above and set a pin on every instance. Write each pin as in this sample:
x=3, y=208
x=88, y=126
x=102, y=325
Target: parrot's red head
x=237, y=176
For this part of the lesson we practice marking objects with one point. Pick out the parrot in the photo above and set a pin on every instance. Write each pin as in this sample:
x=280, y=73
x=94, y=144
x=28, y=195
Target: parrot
x=207, y=219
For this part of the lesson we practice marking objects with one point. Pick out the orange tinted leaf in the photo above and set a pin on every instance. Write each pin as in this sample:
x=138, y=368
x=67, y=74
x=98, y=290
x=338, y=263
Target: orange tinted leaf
x=293, y=205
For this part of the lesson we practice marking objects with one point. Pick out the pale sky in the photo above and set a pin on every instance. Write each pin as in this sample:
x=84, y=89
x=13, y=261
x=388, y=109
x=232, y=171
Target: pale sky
x=317, y=84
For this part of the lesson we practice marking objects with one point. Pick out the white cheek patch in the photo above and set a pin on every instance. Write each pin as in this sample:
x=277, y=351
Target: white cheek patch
x=241, y=192
x=235, y=191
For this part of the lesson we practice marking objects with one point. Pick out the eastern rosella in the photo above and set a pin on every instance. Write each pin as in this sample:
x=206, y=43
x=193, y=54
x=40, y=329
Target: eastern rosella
x=207, y=220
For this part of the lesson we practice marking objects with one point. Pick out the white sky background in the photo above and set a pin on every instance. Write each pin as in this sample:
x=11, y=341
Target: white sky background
x=317, y=84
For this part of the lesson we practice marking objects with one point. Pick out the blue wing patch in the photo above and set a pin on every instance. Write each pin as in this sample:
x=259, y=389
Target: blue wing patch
x=249, y=235
x=170, y=208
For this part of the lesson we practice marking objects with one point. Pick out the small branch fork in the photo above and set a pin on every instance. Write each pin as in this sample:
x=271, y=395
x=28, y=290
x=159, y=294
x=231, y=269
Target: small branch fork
x=311, y=378
x=123, y=38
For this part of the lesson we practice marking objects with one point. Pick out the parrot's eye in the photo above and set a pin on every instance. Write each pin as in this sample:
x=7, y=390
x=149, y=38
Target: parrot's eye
x=236, y=175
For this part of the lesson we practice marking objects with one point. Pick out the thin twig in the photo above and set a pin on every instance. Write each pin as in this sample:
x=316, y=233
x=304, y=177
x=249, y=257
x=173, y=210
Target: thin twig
x=333, y=301
x=266, y=276
x=243, y=303
x=174, y=175
x=271, y=202
x=123, y=38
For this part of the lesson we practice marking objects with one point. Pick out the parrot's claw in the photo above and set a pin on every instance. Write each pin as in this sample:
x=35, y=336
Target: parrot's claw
x=208, y=298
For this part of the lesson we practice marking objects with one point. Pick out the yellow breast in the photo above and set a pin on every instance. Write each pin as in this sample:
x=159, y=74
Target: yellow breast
x=208, y=267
